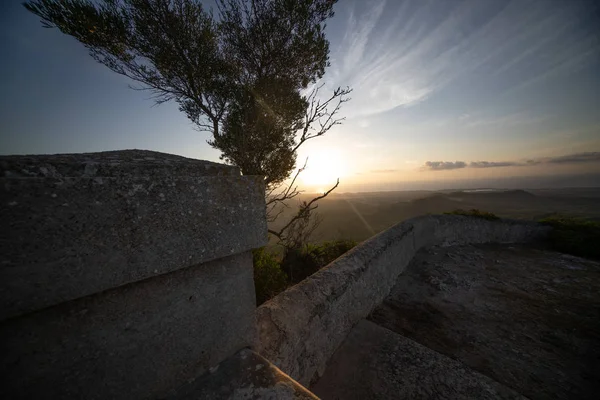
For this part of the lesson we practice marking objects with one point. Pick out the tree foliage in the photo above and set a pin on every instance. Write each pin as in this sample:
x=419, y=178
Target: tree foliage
x=243, y=72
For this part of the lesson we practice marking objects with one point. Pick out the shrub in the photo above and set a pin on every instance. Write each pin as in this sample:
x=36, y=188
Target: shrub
x=298, y=264
x=474, y=213
x=329, y=251
x=269, y=279
x=577, y=236
x=272, y=276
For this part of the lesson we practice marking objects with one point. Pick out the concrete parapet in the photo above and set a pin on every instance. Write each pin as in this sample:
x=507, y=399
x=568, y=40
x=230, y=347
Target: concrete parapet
x=123, y=274
x=300, y=329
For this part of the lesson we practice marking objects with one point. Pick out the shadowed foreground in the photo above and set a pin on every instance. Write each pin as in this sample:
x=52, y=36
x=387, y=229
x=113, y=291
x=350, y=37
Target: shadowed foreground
x=482, y=321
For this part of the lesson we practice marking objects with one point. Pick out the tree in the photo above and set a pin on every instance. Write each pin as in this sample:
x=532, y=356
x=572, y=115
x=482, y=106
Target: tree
x=241, y=74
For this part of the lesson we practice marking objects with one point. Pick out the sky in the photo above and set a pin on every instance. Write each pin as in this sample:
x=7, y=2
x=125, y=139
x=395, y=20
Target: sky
x=446, y=93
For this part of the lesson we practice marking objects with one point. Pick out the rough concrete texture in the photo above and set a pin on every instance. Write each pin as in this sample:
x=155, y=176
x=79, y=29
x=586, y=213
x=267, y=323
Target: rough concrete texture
x=528, y=318
x=74, y=225
x=376, y=363
x=137, y=341
x=245, y=375
x=114, y=164
x=300, y=329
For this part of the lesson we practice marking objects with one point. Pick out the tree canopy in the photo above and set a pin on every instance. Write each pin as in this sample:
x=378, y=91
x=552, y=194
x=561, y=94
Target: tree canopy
x=242, y=71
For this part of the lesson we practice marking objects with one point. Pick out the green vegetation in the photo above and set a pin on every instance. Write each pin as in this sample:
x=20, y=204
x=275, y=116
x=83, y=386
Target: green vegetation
x=305, y=261
x=474, y=213
x=269, y=278
x=273, y=274
x=577, y=236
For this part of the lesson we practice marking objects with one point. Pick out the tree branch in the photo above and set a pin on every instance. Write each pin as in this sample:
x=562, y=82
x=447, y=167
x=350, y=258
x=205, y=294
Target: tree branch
x=319, y=112
x=305, y=210
x=285, y=195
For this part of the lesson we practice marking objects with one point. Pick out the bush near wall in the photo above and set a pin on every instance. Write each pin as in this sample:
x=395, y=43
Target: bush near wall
x=474, y=213
x=577, y=236
x=269, y=279
x=273, y=274
x=299, y=264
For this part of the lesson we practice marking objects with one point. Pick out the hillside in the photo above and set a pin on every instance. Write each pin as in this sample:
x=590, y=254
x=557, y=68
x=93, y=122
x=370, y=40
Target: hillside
x=357, y=216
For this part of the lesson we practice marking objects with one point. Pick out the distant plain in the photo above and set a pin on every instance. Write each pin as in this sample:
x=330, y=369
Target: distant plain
x=358, y=216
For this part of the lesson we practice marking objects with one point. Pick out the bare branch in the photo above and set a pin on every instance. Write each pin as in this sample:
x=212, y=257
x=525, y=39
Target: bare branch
x=303, y=213
x=272, y=232
x=320, y=113
x=272, y=217
x=289, y=193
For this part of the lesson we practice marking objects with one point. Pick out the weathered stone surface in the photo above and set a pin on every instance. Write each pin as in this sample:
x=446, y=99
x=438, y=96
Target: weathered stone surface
x=74, y=225
x=526, y=317
x=245, y=375
x=137, y=341
x=113, y=164
x=300, y=329
x=376, y=363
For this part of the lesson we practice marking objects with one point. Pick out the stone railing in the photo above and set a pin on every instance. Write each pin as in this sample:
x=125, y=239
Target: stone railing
x=128, y=275
x=300, y=329
x=123, y=275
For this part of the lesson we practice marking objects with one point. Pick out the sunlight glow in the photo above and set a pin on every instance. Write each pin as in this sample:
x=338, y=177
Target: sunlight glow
x=323, y=168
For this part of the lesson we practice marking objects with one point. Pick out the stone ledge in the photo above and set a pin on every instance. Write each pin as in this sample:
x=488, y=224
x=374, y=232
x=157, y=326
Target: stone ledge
x=109, y=164
x=137, y=341
x=67, y=237
x=376, y=363
x=300, y=329
x=245, y=375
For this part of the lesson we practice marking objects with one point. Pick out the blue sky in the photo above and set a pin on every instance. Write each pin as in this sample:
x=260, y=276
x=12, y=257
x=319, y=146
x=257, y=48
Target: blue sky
x=444, y=90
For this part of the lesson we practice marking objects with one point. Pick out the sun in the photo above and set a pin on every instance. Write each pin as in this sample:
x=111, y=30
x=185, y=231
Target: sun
x=323, y=169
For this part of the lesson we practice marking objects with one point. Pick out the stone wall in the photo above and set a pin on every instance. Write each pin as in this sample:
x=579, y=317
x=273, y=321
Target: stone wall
x=300, y=329
x=123, y=274
x=128, y=275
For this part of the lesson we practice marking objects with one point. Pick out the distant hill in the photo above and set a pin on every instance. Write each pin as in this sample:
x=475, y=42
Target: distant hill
x=496, y=194
x=357, y=216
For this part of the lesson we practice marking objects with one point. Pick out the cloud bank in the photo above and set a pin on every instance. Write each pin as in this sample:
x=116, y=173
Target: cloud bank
x=577, y=158
x=492, y=164
x=444, y=165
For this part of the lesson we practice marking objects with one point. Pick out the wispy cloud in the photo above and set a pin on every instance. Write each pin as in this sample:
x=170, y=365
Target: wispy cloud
x=364, y=123
x=383, y=171
x=577, y=158
x=358, y=33
x=399, y=53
